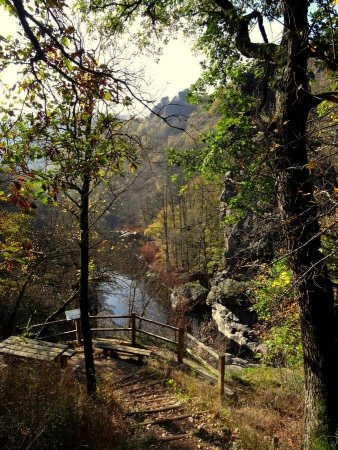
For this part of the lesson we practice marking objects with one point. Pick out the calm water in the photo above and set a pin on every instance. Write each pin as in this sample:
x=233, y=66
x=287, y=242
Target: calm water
x=124, y=296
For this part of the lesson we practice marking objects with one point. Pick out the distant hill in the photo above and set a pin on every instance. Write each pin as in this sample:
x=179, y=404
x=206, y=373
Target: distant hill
x=175, y=124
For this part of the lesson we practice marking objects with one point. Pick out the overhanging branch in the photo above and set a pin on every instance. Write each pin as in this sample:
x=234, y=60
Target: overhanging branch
x=265, y=51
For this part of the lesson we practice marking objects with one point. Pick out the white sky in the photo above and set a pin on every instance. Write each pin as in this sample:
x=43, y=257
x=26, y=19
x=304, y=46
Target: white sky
x=176, y=70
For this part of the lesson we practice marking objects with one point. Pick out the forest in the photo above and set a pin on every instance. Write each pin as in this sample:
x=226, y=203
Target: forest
x=196, y=233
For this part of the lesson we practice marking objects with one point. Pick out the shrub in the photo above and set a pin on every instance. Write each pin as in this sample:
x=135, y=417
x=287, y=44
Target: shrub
x=149, y=252
x=278, y=314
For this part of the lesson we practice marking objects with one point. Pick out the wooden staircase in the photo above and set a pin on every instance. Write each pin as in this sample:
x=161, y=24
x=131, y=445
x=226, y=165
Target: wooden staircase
x=152, y=404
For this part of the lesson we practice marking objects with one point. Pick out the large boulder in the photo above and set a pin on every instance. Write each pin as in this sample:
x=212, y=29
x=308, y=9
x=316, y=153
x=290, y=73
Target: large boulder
x=191, y=294
x=231, y=310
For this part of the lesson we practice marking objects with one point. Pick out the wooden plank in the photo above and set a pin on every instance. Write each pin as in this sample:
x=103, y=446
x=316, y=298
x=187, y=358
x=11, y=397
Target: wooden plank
x=110, y=317
x=32, y=349
x=173, y=437
x=157, y=323
x=45, y=323
x=155, y=397
x=138, y=380
x=123, y=380
x=155, y=410
x=25, y=355
x=56, y=335
x=155, y=393
x=169, y=419
x=111, y=329
x=157, y=336
x=203, y=346
x=69, y=352
x=201, y=361
x=32, y=352
x=47, y=351
x=148, y=385
x=124, y=349
x=33, y=342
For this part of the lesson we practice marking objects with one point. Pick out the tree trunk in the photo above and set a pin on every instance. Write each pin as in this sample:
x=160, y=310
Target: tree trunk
x=84, y=298
x=301, y=226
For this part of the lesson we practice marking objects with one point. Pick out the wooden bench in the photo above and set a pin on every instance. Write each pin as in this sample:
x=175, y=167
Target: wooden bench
x=69, y=353
x=64, y=357
x=111, y=349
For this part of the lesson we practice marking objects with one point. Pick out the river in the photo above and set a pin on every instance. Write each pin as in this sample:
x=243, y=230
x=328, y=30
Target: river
x=123, y=296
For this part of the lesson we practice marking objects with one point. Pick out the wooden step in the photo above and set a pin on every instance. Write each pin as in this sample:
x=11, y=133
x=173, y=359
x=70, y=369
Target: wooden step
x=123, y=380
x=169, y=419
x=159, y=396
x=138, y=380
x=158, y=391
x=155, y=410
x=148, y=385
x=173, y=437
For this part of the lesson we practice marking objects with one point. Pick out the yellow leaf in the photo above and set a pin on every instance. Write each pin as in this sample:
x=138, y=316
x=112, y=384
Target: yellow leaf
x=310, y=165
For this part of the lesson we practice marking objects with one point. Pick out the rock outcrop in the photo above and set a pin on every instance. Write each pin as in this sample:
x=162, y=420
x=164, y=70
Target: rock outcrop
x=228, y=304
x=230, y=309
x=192, y=294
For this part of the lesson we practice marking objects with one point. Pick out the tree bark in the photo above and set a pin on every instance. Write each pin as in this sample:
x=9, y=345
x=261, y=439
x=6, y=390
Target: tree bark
x=295, y=190
x=84, y=297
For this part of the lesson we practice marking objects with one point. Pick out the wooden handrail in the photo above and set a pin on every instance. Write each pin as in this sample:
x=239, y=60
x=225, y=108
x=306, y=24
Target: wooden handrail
x=128, y=316
x=158, y=323
x=157, y=336
x=181, y=347
x=203, y=346
x=42, y=324
x=110, y=329
x=55, y=335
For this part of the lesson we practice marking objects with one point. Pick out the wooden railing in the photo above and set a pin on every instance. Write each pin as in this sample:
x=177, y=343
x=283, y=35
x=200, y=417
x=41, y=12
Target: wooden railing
x=183, y=341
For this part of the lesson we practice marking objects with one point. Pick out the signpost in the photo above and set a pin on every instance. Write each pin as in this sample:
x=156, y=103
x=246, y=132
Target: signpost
x=74, y=314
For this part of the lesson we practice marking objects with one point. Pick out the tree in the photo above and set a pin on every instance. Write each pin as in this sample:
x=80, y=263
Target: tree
x=83, y=145
x=186, y=230
x=223, y=30
x=309, y=33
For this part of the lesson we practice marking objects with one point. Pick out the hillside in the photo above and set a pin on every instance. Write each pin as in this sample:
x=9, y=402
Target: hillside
x=178, y=127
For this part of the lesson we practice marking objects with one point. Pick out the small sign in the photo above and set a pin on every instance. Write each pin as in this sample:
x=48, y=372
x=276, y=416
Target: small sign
x=72, y=314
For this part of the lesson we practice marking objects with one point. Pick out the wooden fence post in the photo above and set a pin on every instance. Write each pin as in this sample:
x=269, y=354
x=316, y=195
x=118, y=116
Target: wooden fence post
x=180, y=345
x=133, y=329
x=221, y=374
x=78, y=330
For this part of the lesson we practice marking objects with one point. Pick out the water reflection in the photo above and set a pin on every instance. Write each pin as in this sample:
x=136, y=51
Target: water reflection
x=124, y=296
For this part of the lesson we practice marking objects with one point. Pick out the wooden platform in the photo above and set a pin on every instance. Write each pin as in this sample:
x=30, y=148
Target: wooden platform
x=16, y=347
x=111, y=349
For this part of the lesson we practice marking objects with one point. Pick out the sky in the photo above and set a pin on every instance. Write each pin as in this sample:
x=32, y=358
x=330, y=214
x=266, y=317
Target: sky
x=177, y=68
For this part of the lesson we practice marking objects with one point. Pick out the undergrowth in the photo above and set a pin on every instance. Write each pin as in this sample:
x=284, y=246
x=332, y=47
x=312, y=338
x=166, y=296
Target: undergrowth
x=48, y=409
x=43, y=408
x=265, y=412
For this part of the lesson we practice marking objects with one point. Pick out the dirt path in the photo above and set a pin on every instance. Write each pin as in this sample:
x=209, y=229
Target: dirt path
x=156, y=405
